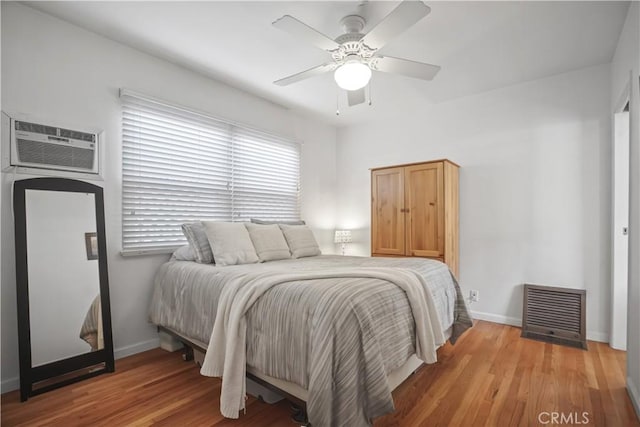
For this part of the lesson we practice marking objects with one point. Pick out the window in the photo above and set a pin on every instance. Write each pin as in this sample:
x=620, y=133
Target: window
x=182, y=166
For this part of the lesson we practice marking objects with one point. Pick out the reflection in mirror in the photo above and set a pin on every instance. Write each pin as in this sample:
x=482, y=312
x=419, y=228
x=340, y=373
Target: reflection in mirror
x=64, y=285
x=91, y=331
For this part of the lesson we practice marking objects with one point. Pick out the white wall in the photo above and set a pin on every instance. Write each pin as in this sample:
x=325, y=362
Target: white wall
x=534, y=181
x=2, y=233
x=54, y=70
x=625, y=67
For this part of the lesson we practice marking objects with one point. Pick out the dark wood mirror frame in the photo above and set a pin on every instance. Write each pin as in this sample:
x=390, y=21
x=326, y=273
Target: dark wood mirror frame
x=30, y=375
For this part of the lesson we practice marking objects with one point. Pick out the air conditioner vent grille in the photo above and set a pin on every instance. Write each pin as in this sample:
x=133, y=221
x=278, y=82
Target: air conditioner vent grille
x=66, y=133
x=555, y=315
x=55, y=154
x=36, y=128
x=54, y=131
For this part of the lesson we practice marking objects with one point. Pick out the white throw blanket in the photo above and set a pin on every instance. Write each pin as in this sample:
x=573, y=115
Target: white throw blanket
x=226, y=355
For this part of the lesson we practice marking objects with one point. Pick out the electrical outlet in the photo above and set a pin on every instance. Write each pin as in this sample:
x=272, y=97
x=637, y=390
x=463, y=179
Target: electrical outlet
x=474, y=295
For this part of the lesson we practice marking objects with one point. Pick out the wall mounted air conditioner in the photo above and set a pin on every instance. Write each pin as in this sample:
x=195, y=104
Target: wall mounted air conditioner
x=39, y=148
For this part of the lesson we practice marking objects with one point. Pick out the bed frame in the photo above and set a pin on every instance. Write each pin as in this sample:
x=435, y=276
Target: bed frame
x=298, y=405
x=293, y=393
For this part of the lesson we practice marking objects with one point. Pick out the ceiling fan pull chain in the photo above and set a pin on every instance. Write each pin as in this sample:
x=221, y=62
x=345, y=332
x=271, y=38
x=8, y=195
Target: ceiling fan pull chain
x=370, y=83
x=337, y=103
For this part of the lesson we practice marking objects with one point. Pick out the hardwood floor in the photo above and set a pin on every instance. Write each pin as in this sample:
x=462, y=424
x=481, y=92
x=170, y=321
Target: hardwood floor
x=491, y=377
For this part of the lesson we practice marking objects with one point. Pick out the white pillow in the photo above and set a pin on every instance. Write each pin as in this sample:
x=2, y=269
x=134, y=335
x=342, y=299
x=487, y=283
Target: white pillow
x=183, y=253
x=268, y=241
x=301, y=241
x=230, y=243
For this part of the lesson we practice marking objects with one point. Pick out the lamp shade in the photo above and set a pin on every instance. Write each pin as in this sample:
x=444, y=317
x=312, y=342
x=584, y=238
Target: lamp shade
x=342, y=236
x=352, y=75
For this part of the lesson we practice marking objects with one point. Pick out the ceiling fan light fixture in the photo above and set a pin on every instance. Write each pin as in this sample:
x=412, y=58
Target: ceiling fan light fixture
x=352, y=75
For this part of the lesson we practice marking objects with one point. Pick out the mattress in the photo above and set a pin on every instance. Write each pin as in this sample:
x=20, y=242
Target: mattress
x=186, y=293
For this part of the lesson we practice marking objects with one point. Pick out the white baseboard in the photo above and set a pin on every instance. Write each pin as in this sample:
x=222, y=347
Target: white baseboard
x=14, y=383
x=515, y=321
x=634, y=394
x=598, y=336
x=10, y=384
x=497, y=318
x=136, y=348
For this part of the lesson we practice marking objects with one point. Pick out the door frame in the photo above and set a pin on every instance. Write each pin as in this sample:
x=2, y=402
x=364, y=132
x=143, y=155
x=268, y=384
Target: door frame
x=620, y=221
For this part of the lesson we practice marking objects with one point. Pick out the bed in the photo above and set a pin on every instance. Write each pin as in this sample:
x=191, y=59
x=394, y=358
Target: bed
x=336, y=332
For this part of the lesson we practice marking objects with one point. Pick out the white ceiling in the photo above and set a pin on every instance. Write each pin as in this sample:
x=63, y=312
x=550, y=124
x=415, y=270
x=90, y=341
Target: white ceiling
x=480, y=45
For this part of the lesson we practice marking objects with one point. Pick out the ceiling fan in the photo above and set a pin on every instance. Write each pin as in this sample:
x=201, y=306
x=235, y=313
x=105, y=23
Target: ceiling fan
x=355, y=54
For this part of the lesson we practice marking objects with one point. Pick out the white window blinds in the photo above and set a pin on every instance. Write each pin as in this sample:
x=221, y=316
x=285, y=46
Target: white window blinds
x=182, y=166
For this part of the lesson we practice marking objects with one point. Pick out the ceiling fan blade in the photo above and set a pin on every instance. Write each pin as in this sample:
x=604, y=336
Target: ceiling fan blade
x=302, y=31
x=406, y=67
x=401, y=18
x=320, y=69
x=355, y=97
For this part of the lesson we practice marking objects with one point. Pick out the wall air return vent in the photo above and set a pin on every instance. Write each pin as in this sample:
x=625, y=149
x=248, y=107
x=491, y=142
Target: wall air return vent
x=555, y=315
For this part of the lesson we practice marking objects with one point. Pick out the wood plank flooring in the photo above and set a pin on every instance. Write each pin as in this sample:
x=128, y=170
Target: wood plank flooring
x=491, y=377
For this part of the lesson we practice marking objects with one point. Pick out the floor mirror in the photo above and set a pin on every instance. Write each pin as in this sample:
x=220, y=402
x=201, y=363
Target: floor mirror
x=64, y=316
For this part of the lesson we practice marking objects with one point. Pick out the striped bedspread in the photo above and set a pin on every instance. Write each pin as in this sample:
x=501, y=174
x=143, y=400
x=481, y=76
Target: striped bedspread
x=365, y=325
x=91, y=330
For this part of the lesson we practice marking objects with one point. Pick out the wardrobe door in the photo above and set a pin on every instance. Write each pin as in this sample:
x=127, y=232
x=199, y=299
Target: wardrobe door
x=424, y=202
x=387, y=212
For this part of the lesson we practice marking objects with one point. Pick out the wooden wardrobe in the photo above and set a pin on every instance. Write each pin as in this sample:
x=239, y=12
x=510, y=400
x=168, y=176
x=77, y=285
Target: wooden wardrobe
x=414, y=211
